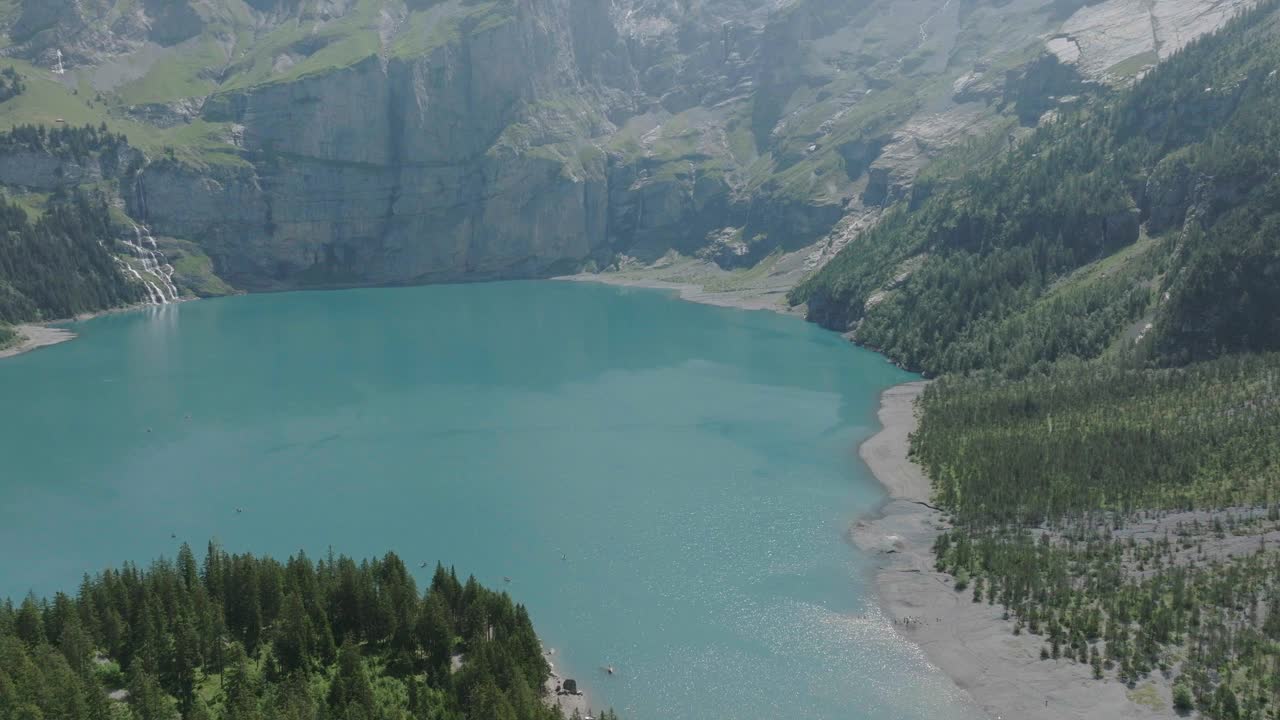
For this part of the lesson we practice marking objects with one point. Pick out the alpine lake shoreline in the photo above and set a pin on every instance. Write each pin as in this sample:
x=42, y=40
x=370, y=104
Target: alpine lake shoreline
x=35, y=335
x=968, y=642
x=971, y=643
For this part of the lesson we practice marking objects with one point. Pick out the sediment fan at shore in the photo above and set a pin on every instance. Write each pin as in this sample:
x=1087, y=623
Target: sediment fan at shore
x=241, y=637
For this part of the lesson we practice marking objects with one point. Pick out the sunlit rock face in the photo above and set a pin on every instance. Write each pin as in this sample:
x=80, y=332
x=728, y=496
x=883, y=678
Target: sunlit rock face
x=334, y=142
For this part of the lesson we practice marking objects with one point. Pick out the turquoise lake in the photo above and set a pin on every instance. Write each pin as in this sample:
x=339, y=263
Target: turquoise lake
x=666, y=484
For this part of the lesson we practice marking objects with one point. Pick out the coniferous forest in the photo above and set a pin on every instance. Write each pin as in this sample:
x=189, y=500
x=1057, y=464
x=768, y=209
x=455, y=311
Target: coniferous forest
x=1129, y=517
x=1051, y=247
x=77, y=143
x=12, y=84
x=241, y=637
x=58, y=266
x=1101, y=302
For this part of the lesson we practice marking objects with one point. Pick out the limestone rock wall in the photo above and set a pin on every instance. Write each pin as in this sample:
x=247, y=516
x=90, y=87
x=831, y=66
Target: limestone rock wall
x=468, y=139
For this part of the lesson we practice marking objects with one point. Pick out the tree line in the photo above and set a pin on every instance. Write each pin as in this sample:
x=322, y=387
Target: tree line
x=1084, y=438
x=239, y=637
x=64, y=141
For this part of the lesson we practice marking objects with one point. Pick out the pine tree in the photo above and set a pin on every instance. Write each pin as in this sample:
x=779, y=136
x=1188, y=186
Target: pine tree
x=435, y=635
x=294, y=645
x=187, y=569
x=241, y=687
x=350, y=694
x=1182, y=699
x=185, y=660
x=77, y=647
x=29, y=622
x=487, y=702
x=147, y=699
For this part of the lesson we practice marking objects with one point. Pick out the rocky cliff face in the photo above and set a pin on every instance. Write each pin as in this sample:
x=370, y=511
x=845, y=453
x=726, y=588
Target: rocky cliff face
x=459, y=162
x=338, y=142
x=34, y=170
x=400, y=169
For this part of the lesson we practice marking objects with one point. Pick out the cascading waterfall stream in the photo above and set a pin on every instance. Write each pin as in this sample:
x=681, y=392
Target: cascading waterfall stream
x=160, y=288
x=153, y=293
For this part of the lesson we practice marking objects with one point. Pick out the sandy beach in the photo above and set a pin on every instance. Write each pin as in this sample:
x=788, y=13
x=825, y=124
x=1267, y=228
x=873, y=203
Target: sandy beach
x=31, y=337
x=970, y=642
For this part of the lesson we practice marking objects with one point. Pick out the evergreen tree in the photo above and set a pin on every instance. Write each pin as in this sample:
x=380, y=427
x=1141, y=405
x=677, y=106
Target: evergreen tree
x=146, y=697
x=241, y=687
x=350, y=694
x=29, y=622
x=185, y=660
x=294, y=644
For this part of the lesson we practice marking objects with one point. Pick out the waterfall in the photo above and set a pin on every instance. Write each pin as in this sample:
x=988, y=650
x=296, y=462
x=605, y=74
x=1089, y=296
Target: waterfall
x=58, y=69
x=163, y=268
x=160, y=287
x=153, y=292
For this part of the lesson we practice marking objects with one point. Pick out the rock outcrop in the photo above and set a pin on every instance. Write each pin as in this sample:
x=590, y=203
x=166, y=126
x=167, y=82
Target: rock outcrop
x=334, y=142
x=28, y=169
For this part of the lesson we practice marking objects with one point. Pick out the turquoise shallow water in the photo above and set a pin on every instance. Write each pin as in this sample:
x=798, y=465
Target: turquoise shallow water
x=666, y=484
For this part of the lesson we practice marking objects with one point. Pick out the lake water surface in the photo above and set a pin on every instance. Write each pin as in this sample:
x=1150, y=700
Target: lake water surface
x=666, y=484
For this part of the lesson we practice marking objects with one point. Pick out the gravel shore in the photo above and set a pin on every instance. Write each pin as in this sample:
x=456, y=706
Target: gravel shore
x=31, y=337
x=970, y=642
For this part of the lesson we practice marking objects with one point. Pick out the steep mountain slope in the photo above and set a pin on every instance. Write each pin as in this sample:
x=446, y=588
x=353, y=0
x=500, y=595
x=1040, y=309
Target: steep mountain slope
x=65, y=250
x=1149, y=215
x=1104, y=442
x=335, y=142
x=56, y=267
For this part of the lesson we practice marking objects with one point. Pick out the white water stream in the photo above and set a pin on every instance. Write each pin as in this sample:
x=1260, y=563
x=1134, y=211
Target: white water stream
x=160, y=287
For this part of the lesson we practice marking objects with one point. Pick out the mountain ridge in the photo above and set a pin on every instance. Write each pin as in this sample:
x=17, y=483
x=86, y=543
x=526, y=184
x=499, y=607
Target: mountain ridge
x=339, y=142
x=1118, y=213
